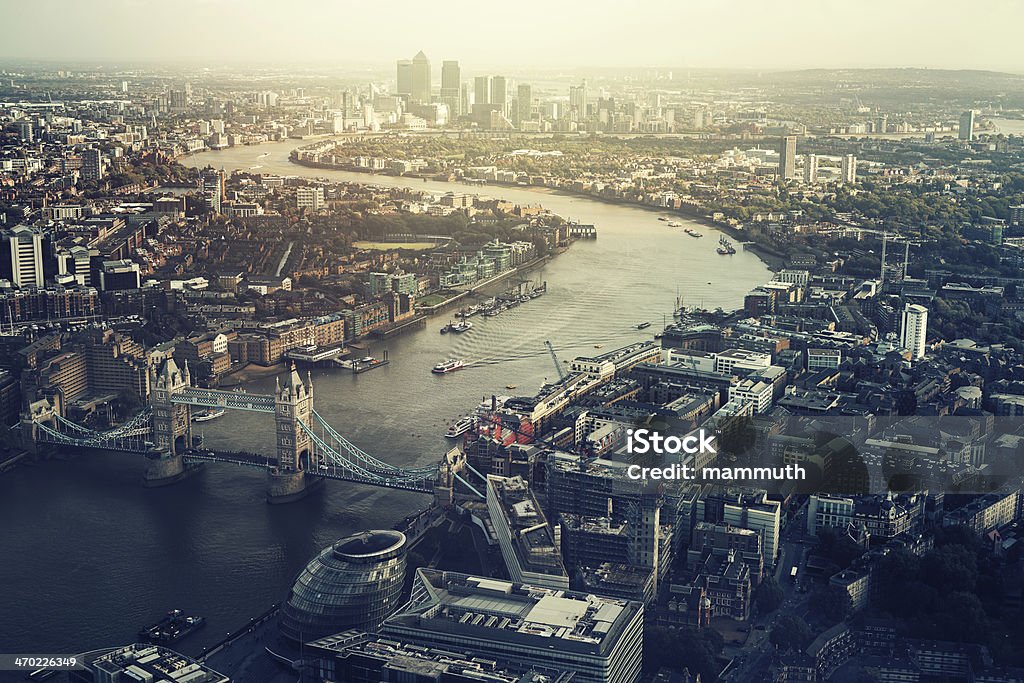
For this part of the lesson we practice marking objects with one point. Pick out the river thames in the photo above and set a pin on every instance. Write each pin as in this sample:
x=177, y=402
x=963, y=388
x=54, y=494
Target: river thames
x=90, y=556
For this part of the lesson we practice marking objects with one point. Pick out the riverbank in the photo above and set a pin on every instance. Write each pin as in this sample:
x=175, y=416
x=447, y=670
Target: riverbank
x=249, y=373
x=771, y=259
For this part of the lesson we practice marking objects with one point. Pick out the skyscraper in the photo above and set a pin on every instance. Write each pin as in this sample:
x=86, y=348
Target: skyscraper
x=92, y=165
x=404, y=78
x=451, y=75
x=25, y=130
x=451, y=84
x=578, y=98
x=787, y=158
x=499, y=93
x=25, y=250
x=848, y=170
x=524, y=103
x=420, y=78
x=481, y=90
x=811, y=169
x=967, y=125
x=213, y=188
x=914, y=329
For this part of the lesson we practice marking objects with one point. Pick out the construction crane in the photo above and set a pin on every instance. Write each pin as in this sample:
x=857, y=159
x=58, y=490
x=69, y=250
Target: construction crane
x=554, y=359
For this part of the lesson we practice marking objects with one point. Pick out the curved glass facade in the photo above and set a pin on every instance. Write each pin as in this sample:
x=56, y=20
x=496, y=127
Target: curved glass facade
x=354, y=583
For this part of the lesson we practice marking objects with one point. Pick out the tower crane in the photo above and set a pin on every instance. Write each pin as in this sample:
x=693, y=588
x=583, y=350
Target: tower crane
x=554, y=359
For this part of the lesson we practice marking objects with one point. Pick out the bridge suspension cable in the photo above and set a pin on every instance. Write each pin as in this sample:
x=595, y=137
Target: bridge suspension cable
x=362, y=456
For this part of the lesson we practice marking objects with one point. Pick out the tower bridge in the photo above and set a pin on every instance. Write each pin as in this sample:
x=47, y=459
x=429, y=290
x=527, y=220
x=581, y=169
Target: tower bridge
x=308, y=450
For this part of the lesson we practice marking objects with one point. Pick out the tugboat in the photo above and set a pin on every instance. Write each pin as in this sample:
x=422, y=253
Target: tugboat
x=450, y=365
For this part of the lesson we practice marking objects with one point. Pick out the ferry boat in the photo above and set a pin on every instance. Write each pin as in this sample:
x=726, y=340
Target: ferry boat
x=207, y=415
x=173, y=627
x=450, y=365
x=460, y=427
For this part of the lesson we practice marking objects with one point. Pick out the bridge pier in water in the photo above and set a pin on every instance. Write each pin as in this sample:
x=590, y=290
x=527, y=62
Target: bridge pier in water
x=308, y=450
x=164, y=469
x=293, y=407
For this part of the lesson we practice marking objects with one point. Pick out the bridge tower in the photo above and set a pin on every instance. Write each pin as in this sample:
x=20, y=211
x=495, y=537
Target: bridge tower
x=293, y=406
x=172, y=422
x=41, y=411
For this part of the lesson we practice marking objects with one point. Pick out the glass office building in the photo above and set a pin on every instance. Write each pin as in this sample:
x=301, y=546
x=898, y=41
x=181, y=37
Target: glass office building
x=353, y=584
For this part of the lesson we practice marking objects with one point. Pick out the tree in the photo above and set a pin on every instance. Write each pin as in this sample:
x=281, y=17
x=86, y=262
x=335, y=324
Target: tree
x=833, y=604
x=769, y=596
x=791, y=633
x=685, y=648
x=950, y=568
x=837, y=547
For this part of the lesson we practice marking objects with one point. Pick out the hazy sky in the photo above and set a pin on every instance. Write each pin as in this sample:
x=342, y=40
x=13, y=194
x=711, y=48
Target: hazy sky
x=982, y=34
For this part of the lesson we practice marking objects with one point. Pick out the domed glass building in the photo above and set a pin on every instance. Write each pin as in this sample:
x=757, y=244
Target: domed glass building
x=354, y=583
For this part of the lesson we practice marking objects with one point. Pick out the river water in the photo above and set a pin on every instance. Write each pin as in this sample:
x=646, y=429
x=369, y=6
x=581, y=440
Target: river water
x=88, y=556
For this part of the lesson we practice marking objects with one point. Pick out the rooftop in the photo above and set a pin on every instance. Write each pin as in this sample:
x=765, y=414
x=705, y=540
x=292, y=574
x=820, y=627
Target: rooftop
x=493, y=609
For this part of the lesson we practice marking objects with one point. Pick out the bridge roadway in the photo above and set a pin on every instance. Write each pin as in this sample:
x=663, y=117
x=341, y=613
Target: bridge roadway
x=423, y=484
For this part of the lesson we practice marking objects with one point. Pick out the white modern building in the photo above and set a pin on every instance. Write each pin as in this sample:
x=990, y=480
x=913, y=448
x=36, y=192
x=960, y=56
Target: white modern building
x=914, y=330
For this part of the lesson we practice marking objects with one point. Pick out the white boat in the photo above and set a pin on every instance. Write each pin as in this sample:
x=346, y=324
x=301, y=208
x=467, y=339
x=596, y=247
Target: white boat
x=207, y=415
x=450, y=365
x=460, y=427
x=461, y=326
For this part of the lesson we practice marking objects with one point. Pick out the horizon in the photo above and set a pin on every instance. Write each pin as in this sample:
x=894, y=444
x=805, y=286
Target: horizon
x=791, y=36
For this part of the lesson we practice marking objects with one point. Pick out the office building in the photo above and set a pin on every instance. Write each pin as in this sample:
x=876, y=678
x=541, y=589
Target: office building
x=848, y=170
x=451, y=75
x=451, y=88
x=914, y=330
x=481, y=90
x=24, y=247
x=354, y=583
x=404, y=78
x=967, y=125
x=499, y=93
x=359, y=657
x=420, y=78
x=524, y=103
x=528, y=544
x=810, y=168
x=787, y=158
x=578, y=99
x=520, y=626
x=143, y=663
x=746, y=509
x=883, y=517
x=118, y=275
